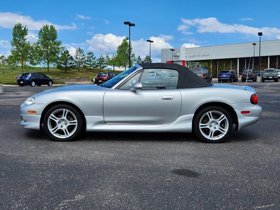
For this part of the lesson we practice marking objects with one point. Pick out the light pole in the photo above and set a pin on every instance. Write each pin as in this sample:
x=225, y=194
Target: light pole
x=150, y=41
x=129, y=48
x=253, y=65
x=172, y=51
x=260, y=40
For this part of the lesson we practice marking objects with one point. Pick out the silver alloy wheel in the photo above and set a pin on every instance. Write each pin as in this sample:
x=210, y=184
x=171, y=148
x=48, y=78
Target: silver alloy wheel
x=33, y=84
x=62, y=123
x=214, y=125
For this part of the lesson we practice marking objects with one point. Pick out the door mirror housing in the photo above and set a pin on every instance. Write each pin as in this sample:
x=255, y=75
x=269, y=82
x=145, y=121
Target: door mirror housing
x=136, y=86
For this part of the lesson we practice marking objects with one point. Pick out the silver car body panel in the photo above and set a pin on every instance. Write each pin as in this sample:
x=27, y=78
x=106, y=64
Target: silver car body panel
x=143, y=110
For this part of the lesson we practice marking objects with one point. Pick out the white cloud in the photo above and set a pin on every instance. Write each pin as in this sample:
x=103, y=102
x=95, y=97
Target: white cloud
x=32, y=37
x=189, y=45
x=8, y=20
x=83, y=17
x=4, y=44
x=104, y=43
x=213, y=25
x=5, y=48
x=108, y=44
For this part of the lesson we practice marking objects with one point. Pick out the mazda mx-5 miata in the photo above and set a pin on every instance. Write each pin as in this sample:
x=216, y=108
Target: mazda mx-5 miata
x=145, y=98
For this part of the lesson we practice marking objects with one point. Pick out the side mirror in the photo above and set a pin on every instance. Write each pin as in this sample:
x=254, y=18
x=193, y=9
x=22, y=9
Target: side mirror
x=136, y=86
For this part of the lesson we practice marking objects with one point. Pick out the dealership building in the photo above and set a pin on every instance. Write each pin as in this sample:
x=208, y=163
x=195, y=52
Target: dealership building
x=223, y=57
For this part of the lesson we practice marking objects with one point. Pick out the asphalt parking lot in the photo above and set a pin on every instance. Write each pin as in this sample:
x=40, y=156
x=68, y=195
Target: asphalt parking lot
x=140, y=170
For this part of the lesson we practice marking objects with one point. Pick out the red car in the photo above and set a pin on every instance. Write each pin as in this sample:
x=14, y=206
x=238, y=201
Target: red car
x=103, y=77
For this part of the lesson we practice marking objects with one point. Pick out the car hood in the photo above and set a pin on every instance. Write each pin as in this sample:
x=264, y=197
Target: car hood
x=237, y=87
x=67, y=88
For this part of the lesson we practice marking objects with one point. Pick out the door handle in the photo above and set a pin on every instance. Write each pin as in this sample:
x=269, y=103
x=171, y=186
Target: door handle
x=167, y=97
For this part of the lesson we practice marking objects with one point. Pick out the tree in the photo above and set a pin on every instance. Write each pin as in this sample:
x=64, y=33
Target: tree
x=20, y=45
x=48, y=45
x=90, y=60
x=34, y=57
x=111, y=61
x=65, y=61
x=139, y=60
x=121, y=58
x=3, y=60
x=147, y=59
x=101, y=62
x=80, y=58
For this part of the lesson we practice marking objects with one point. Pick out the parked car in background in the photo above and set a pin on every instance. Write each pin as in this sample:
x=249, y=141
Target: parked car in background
x=248, y=74
x=227, y=76
x=270, y=74
x=278, y=72
x=102, y=77
x=202, y=72
x=34, y=79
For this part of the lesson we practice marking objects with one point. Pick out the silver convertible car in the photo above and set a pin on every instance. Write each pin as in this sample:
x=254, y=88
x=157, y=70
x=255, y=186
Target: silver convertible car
x=144, y=98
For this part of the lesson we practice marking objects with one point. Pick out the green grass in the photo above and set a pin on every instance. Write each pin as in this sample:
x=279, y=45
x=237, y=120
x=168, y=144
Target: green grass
x=9, y=75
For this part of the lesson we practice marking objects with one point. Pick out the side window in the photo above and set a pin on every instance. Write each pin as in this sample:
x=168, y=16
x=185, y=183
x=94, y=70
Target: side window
x=153, y=79
x=133, y=80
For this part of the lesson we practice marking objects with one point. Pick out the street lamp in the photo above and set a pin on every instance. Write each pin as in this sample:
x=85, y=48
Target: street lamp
x=150, y=41
x=260, y=40
x=129, y=48
x=253, y=65
x=172, y=51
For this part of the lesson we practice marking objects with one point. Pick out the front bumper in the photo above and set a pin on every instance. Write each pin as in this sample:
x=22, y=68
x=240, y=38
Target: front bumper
x=31, y=121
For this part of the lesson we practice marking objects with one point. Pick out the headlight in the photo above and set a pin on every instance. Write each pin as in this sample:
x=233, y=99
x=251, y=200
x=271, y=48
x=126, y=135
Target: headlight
x=29, y=101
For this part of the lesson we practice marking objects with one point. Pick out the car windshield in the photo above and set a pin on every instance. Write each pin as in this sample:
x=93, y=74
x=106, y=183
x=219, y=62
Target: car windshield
x=24, y=75
x=196, y=71
x=269, y=70
x=110, y=83
x=102, y=74
x=225, y=72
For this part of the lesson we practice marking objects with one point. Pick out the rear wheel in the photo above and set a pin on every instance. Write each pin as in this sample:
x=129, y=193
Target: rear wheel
x=213, y=124
x=63, y=123
x=32, y=84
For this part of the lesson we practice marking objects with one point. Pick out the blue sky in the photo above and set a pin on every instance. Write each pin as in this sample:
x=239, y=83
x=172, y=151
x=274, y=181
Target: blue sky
x=98, y=25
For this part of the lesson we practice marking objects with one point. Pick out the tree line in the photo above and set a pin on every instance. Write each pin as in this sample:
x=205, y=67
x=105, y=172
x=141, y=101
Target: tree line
x=50, y=52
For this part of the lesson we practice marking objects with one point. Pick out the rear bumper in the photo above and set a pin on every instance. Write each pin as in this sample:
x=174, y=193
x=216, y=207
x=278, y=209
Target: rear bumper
x=245, y=120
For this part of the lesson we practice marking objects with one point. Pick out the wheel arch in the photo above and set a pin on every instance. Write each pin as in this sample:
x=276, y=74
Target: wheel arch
x=223, y=105
x=62, y=103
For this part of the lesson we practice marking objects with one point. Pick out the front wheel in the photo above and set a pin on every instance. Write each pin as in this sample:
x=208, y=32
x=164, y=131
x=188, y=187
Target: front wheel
x=50, y=83
x=213, y=124
x=63, y=123
x=32, y=84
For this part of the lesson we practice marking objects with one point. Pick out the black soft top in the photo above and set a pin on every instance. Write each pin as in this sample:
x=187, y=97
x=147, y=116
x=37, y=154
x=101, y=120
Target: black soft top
x=187, y=79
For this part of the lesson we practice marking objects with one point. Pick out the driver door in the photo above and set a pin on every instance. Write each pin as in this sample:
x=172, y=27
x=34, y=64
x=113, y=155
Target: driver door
x=157, y=102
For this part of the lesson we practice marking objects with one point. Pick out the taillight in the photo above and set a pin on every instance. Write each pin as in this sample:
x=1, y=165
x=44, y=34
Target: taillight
x=254, y=99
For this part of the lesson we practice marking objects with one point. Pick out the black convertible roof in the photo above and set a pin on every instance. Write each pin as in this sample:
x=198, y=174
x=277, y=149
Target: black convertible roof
x=187, y=79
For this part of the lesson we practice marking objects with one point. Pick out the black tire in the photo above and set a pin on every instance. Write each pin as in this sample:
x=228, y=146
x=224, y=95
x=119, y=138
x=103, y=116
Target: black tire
x=213, y=124
x=63, y=123
x=32, y=83
x=50, y=83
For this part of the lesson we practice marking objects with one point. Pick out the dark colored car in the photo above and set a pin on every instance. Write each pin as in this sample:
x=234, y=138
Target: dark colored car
x=249, y=74
x=270, y=74
x=103, y=77
x=227, y=76
x=34, y=79
x=203, y=73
